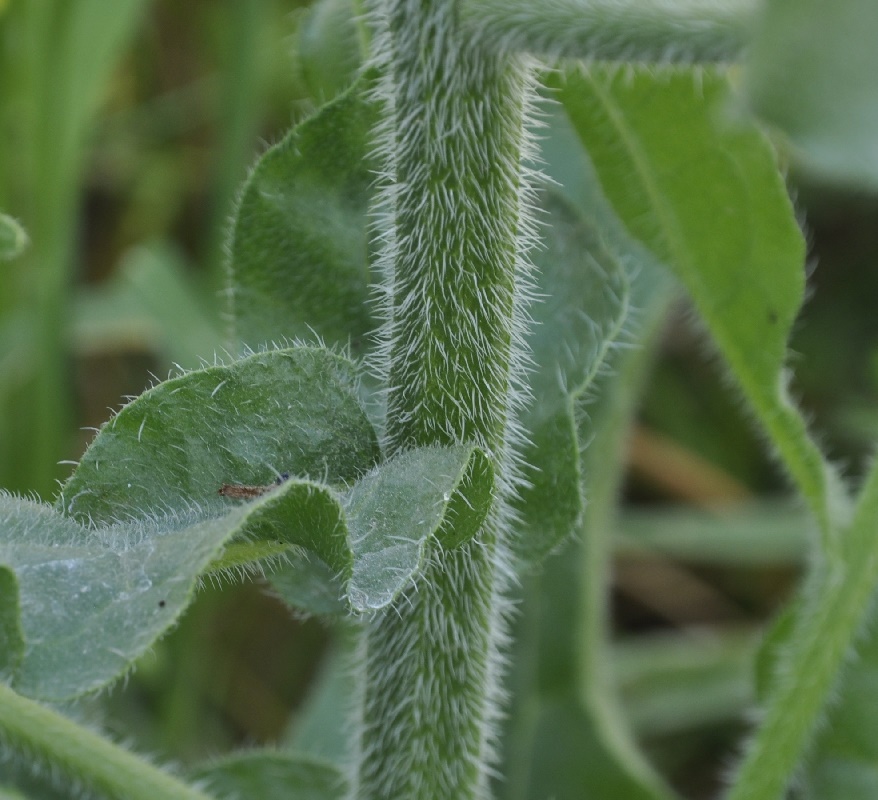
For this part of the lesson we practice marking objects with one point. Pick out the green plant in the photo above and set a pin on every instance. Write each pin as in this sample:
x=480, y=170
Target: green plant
x=410, y=496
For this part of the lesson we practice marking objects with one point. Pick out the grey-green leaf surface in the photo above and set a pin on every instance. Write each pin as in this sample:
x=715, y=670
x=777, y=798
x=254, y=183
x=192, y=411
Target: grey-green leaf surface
x=584, y=303
x=329, y=51
x=299, y=247
x=13, y=239
x=11, y=636
x=289, y=411
x=92, y=601
x=844, y=759
x=832, y=618
x=557, y=684
x=388, y=519
x=272, y=775
x=706, y=197
x=811, y=71
x=321, y=727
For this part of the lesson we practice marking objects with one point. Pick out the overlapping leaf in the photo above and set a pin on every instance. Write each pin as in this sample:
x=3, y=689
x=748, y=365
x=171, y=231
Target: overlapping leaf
x=272, y=775
x=386, y=524
x=288, y=411
x=579, y=316
x=93, y=600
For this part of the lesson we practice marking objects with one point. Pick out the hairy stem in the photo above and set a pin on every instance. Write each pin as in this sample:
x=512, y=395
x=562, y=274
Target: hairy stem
x=452, y=145
x=836, y=609
x=84, y=756
x=687, y=31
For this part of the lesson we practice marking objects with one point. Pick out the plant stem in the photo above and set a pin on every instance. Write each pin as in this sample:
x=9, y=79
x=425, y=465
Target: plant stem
x=836, y=607
x=453, y=261
x=687, y=31
x=30, y=727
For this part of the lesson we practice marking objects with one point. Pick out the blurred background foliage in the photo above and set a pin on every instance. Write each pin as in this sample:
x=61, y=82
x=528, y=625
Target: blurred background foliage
x=125, y=131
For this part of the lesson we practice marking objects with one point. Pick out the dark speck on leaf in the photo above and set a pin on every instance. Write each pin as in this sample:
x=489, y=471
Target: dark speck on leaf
x=772, y=316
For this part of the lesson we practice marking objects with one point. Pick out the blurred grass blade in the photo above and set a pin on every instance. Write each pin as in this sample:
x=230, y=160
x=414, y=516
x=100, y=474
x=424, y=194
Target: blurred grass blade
x=330, y=49
x=150, y=302
x=66, y=54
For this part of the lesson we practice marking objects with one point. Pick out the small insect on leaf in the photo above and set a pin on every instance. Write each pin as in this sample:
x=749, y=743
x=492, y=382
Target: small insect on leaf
x=243, y=491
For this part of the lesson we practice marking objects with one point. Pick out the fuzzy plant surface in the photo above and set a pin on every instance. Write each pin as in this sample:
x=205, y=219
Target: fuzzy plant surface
x=445, y=286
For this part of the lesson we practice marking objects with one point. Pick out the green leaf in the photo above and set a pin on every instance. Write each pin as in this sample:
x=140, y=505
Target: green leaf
x=271, y=775
x=13, y=239
x=708, y=200
x=564, y=662
x=811, y=71
x=282, y=411
x=584, y=303
x=571, y=759
x=833, y=615
x=844, y=759
x=321, y=726
x=92, y=601
x=11, y=636
x=329, y=49
x=300, y=247
x=387, y=520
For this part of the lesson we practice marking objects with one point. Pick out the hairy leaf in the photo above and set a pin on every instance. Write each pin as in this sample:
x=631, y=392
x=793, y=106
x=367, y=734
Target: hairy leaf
x=811, y=71
x=559, y=662
x=11, y=636
x=329, y=49
x=272, y=775
x=386, y=522
x=584, y=303
x=299, y=246
x=844, y=758
x=707, y=199
x=93, y=601
x=288, y=411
